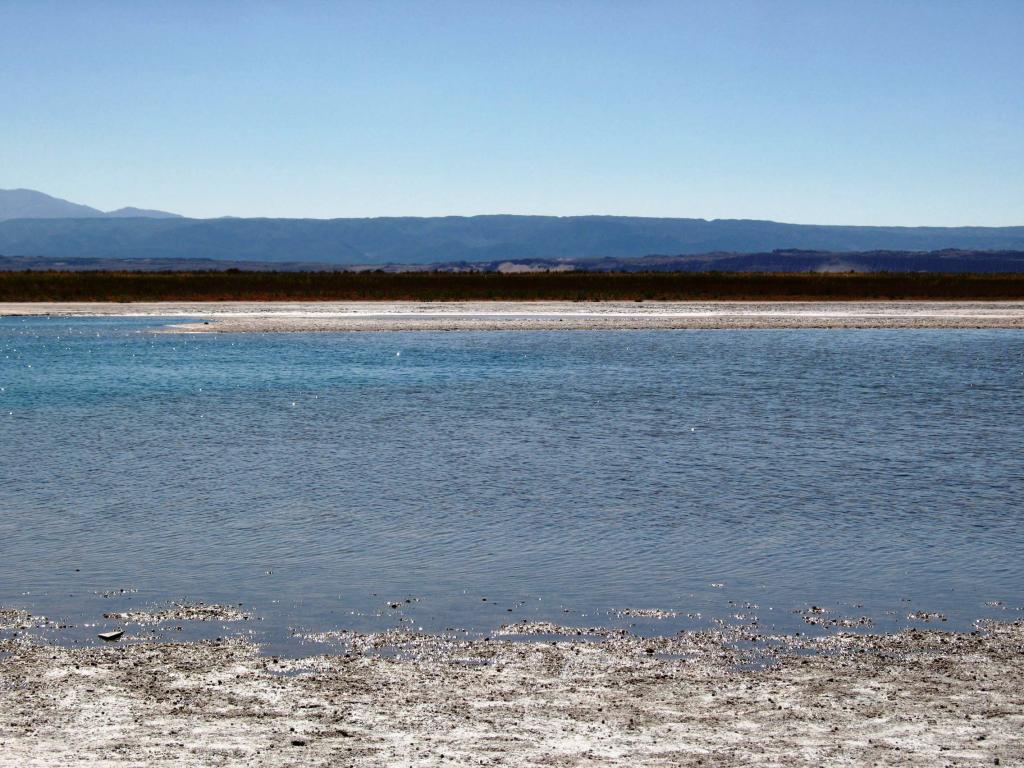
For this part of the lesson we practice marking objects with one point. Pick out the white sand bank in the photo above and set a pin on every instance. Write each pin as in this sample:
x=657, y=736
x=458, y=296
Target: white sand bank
x=228, y=317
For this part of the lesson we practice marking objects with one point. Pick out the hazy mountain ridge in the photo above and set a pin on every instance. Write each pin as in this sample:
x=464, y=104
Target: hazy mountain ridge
x=30, y=204
x=37, y=225
x=464, y=239
x=131, y=212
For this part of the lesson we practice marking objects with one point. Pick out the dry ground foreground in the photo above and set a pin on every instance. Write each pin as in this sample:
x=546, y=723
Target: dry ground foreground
x=917, y=698
x=228, y=317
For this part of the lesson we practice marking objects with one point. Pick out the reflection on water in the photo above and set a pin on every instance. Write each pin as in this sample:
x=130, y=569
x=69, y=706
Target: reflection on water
x=491, y=477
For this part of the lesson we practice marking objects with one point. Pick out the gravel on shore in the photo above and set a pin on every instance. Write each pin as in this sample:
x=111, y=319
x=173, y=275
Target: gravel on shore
x=917, y=698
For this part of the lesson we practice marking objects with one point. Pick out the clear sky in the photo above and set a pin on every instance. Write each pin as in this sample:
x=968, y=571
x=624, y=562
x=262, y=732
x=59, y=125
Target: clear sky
x=848, y=112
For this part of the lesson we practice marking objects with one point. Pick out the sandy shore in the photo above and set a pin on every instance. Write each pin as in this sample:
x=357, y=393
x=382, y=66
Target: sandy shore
x=918, y=698
x=226, y=317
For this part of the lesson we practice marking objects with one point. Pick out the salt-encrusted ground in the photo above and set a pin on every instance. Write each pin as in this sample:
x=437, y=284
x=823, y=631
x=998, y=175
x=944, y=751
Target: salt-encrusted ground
x=921, y=698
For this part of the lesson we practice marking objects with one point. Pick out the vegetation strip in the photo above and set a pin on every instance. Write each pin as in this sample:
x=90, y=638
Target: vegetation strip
x=448, y=286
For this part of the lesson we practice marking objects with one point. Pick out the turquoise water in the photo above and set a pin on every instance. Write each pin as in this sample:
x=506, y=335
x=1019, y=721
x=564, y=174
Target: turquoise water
x=490, y=477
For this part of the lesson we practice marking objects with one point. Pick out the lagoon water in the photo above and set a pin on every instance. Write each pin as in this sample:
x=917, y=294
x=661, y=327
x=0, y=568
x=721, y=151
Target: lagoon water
x=494, y=476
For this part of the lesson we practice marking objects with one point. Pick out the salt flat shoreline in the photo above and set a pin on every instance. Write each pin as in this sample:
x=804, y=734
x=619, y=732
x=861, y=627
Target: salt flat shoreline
x=254, y=317
x=916, y=698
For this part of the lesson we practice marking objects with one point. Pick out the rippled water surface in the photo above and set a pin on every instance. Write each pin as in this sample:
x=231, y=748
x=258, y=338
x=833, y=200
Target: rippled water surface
x=490, y=477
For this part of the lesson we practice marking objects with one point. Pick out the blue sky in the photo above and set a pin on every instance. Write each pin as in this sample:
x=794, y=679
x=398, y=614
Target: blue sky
x=819, y=112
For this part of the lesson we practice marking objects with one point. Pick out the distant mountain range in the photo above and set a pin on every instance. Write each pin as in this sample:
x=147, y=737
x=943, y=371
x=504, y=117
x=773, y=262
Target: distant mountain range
x=29, y=204
x=47, y=229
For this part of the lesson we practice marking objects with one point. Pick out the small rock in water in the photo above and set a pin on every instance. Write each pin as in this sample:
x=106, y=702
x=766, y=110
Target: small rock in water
x=111, y=636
